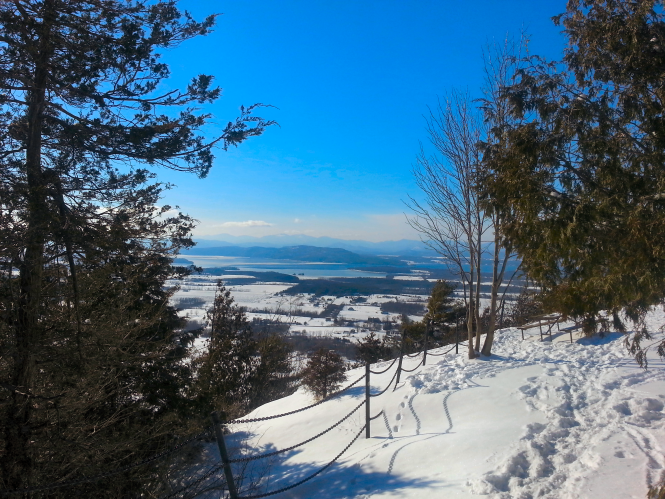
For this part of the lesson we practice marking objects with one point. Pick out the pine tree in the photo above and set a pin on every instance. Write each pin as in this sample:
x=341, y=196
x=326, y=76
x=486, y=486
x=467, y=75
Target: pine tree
x=441, y=304
x=579, y=173
x=275, y=377
x=239, y=372
x=227, y=369
x=86, y=328
x=324, y=372
x=372, y=350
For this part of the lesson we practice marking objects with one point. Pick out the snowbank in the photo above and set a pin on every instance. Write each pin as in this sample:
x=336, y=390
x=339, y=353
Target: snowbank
x=550, y=420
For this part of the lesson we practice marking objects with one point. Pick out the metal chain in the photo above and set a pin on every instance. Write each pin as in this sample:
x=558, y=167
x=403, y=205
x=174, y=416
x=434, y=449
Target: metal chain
x=413, y=354
x=388, y=386
x=269, y=454
x=212, y=471
x=266, y=418
x=440, y=354
x=378, y=415
x=284, y=489
x=411, y=370
x=108, y=474
x=386, y=369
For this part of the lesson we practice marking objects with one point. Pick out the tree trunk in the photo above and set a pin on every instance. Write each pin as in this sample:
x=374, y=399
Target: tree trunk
x=479, y=279
x=17, y=463
x=489, y=338
x=470, y=312
x=497, y=279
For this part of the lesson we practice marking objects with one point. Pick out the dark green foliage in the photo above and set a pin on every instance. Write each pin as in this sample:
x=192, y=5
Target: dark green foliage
x=256, y=276
x=274, y=377
x=441, y=304
x=413, y=333
x=442, y=311
x=403, y=307
x=304, y=343
x=226, y=370
x=324, y=373
x=580, y=180
x=372, y=350
x=92, y=364
x=522, y=310
x=239, y=372
x=185, y=303
x=114, y=391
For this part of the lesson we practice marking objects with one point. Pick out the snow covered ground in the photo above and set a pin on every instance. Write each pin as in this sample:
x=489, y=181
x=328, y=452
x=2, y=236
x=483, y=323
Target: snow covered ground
x=264, y=301
x=537, y=419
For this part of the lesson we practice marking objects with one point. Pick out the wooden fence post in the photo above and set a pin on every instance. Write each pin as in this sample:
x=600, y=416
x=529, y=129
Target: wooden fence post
x=367, y=397
x=401, y=354
x=456, y=335
x=427, y=326
x=233, y=493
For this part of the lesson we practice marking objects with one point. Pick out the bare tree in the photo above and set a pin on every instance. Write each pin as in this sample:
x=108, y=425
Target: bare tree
x=502, y=62
x=454, y=219
x=450, y=219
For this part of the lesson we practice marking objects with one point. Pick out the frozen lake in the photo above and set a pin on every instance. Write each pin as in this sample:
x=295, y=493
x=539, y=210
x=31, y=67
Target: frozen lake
x=309, y=270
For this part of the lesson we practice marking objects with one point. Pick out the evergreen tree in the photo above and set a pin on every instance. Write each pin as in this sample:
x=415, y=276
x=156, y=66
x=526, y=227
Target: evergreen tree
x=86, y=330
x=239, y=372
x=578, y=175
x=413, y=334
x=324, y=372
x=441, y=304
x=372, y=350
x=226, y=371
x=275, y=376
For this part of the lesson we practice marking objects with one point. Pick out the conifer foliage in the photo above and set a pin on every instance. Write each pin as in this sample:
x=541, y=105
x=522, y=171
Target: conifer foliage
x=324, y=372
x=240, y=372
x=372, y=350
x=441, y=305
x=578, y=175
x=92, y=364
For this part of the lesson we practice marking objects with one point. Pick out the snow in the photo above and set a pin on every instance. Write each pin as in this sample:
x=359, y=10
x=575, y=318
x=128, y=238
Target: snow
x=544, y=419
x=360, y=312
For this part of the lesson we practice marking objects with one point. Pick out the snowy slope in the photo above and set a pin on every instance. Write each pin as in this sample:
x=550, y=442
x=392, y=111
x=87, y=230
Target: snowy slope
x=550, y=419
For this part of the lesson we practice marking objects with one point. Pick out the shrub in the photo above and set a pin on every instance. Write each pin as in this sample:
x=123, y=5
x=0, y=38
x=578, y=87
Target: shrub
x=324, y=373
x=371, y=349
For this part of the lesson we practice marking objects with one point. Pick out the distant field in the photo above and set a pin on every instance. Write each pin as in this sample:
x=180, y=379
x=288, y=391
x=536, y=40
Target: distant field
x=360, y=286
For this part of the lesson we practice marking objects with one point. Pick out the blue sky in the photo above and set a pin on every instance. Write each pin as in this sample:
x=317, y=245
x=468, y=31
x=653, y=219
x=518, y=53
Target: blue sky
x=352, y=81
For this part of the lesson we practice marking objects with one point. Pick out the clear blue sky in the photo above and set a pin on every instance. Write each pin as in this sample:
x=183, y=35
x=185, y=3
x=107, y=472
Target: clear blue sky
x=352, y=81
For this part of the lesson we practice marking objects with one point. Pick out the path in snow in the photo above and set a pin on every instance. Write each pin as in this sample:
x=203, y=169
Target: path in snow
x=550, y=420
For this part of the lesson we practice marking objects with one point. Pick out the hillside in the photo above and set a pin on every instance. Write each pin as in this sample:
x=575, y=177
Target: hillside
x=298, y=253
x=401, y=247
x=548, y=420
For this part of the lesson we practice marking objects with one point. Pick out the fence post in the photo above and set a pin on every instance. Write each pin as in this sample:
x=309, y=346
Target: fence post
x=233, y=493
x=456, y=335
x=367, y=400
x=427, y=326
x=401, y=354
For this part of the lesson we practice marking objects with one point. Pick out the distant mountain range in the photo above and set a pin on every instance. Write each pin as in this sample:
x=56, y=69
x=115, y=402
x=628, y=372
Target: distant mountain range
x=299, y=253
x=402, y=247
